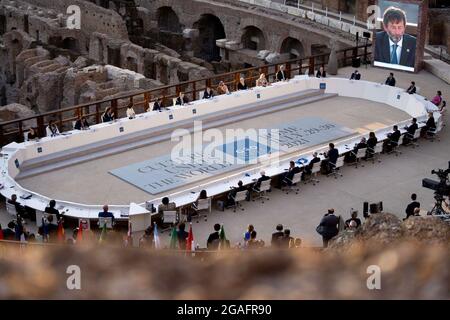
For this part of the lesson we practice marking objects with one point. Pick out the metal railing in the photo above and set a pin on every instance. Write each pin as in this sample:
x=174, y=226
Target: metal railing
x=14, y=130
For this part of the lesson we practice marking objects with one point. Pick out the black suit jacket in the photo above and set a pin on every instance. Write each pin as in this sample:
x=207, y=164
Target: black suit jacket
x=355, y=76
x=410, y=208
x=281, y=75
x=383, y=52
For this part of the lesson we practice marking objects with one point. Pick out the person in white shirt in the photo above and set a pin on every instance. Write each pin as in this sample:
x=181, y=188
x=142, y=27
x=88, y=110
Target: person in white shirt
x=130, y=112
x=52, y=130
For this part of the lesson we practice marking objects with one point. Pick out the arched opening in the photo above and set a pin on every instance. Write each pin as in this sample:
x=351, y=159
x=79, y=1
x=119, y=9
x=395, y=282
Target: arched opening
x=131, y=64
x=253, y=39
x=210, y=29
x=70, y=44
x=168, y=20
x=293, y=48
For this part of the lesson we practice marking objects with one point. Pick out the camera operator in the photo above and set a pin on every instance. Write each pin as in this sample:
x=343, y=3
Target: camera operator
x=412, y=206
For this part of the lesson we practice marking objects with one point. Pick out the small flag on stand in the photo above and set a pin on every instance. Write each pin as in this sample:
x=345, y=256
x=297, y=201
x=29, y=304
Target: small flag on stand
x=80, y=233
x=173, y=238
x=60, y=232
x=103, y=234
x=129, y=242
x=156, y=238
x=223, y=239
x=190, y=245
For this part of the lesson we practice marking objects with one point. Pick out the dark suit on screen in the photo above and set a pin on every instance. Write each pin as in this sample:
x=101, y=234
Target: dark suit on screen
x=383, y=49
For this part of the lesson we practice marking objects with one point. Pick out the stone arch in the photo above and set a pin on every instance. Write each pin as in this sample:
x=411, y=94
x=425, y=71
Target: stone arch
x=210, y=29
x=253, y=38
x=293, y=48
x=168, y=20
x=71, y=43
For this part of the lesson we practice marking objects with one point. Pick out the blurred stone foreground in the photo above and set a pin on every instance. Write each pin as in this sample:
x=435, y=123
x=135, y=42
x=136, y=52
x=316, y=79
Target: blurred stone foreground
x=413, y=256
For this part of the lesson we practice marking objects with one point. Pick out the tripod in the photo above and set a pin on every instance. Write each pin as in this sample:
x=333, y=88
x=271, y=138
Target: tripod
x=437, y=209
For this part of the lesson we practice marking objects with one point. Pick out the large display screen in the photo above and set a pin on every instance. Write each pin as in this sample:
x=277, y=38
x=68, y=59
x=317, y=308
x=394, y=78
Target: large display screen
x=396, y=40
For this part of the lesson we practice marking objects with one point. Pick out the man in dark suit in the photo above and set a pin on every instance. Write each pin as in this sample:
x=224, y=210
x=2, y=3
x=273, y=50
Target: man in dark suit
x=52, y=210
x=157, y=106
x=392, y=45
x=277, y=237
x=392, y=140
x=410, y=131
x=355, y=75
x=390, y=81
x=413, y=205
x=182, y=100
x=329, y=224
x=106, y=214
x=281, y=75
x=261, y=179
x=331, y=158
x=412, y=88
x=213, y=240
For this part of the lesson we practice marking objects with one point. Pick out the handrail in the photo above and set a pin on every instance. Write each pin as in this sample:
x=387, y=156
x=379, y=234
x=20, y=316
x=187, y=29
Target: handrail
x=169, y=91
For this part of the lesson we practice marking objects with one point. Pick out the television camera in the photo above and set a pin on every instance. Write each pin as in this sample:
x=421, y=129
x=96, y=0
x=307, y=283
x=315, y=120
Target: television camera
x=441, y=188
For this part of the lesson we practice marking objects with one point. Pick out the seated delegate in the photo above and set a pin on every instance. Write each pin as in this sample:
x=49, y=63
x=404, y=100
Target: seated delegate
x=108, y=115
x=157, y=106
x=208, y=93
x=392, y=140
x=242, y=85
x=52, y=130
x=81, y=124
x=262, y=81
x=181, y=100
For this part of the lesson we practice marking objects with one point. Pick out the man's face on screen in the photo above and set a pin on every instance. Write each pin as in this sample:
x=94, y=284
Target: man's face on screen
x=395, y=30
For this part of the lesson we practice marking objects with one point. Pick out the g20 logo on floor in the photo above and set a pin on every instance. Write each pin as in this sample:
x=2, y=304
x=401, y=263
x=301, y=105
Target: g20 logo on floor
x=74, y=19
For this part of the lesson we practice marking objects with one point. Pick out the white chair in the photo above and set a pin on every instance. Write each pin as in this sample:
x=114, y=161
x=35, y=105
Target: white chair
x=291, y=184
x=25, y=136
x=335, y=168
x=314, y=171
x=105, y=220
x=414, y=142
x=170, y=217
x=262, y=190
x=240, y=196
x=11, y=209
x=202, y=205
x=395, y=148
x=433, y=134
x=376, y=152
x=361, y=153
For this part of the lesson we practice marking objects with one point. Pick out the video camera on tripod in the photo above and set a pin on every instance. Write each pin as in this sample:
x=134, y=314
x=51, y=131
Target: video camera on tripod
x=441, y=188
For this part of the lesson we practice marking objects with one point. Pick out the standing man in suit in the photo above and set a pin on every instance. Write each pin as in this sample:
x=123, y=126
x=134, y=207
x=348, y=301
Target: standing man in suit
x=392, y=45
x=329, y=224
